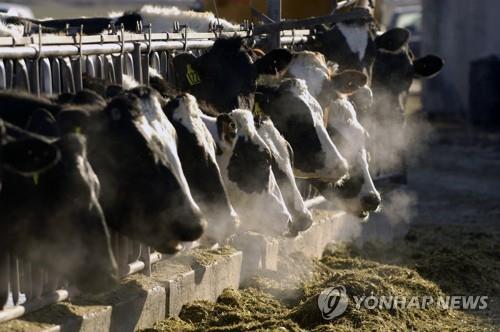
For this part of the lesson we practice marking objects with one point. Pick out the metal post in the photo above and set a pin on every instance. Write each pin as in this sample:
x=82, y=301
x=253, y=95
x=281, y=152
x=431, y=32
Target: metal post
x=274, y=12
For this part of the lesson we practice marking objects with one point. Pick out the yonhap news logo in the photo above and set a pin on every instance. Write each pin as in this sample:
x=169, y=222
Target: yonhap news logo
x=333, y=302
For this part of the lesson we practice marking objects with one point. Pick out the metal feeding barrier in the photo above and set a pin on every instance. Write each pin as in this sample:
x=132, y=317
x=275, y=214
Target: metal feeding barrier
x=53, y=64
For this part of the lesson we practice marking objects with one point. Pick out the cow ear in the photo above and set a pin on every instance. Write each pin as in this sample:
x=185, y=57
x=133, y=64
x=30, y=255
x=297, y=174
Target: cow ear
x=114, y=90
x=185, y=71
x=273, y=62
x=42, y=122
x=428, y=66
x=349, y=81
x=73, y=121
x=393, y=39
x=29, y=156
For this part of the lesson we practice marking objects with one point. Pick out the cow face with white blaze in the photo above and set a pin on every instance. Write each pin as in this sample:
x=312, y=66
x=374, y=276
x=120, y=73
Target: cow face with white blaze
x=197, y=153
x=282, y=165
x=358, y=195
x=133, y=148
x=246, y=166
x=349, y=44
x=225, y=76
x=299, y=118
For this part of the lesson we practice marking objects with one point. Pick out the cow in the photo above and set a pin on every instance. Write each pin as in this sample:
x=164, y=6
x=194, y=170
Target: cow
x=349, y=44
x=282, y=166
x=49, y=212
x=162, y=19
x=10, y=29
x=225, y=76
x=358, y=195
x=394, y=70
x=245, y=162
x=299, y=118
x=134, y=150
x=197, y=153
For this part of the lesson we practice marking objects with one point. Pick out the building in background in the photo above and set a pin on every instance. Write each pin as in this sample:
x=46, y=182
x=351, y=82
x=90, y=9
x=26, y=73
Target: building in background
x=461, y=32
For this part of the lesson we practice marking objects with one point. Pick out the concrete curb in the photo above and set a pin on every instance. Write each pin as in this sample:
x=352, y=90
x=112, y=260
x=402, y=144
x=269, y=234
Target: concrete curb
x=262, y=252
x=140, y=301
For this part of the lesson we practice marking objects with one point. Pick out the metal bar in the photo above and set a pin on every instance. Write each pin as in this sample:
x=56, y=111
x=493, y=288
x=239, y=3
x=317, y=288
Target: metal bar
x=137, y=56
x=56, y=76
x=4, y=279
x=274, y=12
x=67, y=76
x=21, y=79
x=356, y=13
x=26, y=52
x=314, y=202
x=9, y=72
x=110, y=75
x=3, y=75
x=28, y=279
x=14, y=279
x=37, y=281
x=20, y=310
x=46, y=76
x=123, y=255
x=146, y=257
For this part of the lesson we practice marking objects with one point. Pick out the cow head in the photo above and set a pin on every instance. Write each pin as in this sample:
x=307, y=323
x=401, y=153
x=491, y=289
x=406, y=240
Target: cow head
x=225, y=76
x=299, y=118
x=349, y=44
x=323, y=79
x=357, y=194
x=246, y=166
x=282, y=166
x=133, y=148
x=50, y=213
x=395, y=68
x=197, y=153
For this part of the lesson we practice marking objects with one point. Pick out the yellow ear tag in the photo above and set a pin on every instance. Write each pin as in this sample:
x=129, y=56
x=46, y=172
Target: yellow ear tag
x=78, y=130
x=36, y=179
x=192, y=76
x=257, y=110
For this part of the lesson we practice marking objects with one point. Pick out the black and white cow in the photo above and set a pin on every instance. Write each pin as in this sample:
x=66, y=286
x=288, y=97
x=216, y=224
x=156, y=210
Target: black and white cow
x=197, y=153
x=358, y=195
x=299, y=118
x=394, y=70
x=245, y=162
x=282, y=166
x=225, y=76
x=133, y=148
x=349, y=44
x=49, y=212
x=161, y=19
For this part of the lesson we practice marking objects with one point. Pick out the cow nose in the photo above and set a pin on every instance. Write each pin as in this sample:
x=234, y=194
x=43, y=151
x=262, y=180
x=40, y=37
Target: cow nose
x=191, y=230
x=300, y=224
x=371, y=201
